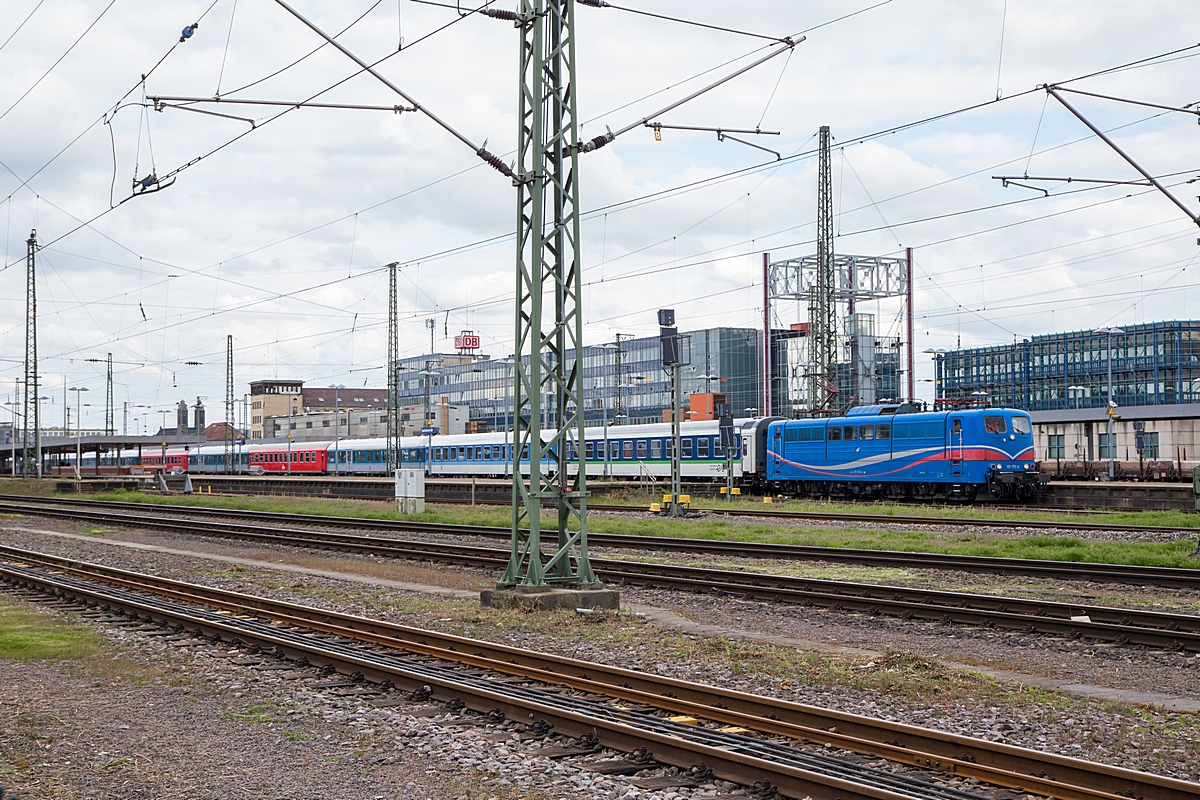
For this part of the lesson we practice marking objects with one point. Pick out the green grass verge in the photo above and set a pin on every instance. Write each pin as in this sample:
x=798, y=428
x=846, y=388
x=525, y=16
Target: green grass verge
x=31, y=636
x=1041, y=547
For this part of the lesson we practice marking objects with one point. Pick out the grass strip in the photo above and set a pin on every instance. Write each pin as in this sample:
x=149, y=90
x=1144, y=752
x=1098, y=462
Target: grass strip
x=1036, y=546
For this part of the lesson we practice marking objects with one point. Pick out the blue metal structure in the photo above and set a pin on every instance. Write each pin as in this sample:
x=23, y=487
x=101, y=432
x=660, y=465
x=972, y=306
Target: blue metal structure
x=1156, y=363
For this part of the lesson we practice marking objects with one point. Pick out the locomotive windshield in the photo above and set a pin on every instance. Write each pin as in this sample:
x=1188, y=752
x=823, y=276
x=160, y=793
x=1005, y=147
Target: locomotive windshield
x=995, y=425
x=1021, y=425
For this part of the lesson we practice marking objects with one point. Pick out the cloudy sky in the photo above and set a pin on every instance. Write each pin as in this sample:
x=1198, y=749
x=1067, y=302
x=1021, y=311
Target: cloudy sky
x=279, y=233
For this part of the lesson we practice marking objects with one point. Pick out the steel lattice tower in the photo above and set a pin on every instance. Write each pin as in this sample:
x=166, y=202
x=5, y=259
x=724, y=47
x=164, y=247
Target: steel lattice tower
x=822, y=309
x=393, y=356
x=109, y=430
x=31, y=436
x=229, y=420
x=548, y=269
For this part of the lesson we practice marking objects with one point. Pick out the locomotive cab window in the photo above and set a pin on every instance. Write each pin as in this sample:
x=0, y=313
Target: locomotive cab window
x=1021, y=425
x=835, y=434
x=995, y=425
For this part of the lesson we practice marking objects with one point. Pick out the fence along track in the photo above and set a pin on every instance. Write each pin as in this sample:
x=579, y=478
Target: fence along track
x=1101, y=573
x=739, y=757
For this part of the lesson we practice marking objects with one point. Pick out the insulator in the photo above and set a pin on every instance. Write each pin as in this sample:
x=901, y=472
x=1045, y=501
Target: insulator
x=598, y=142
x=594, y=3
x=500, y=13
x=188, y=31
x=495, y=162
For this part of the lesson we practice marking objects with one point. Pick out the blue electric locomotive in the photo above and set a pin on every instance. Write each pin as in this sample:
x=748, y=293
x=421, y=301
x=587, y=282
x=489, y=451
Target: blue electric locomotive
x=896, y=451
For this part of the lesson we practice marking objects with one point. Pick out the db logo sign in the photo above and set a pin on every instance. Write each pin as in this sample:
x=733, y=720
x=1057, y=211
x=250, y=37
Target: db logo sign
x=467, y=341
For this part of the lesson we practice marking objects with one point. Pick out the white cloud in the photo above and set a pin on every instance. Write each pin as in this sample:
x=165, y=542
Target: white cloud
x=261, y=232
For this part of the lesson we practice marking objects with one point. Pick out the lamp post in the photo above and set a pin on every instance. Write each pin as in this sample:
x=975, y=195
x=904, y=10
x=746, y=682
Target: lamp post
x=78, y=428
x=337, y=443
x=1111, y=410
x=938, y=354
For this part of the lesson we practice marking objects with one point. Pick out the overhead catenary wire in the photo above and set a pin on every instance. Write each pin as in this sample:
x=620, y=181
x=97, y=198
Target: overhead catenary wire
x=59, y=59
x=22, y=25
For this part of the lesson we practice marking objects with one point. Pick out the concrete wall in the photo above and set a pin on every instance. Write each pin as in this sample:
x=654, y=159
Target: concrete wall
x=1178, y=439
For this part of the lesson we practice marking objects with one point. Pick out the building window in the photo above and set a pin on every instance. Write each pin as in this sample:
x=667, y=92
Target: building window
x=1150, y=445
x=324, y=423
x=363, y=420
x=308, y=424
x=1103, y=442
x=1056, y=446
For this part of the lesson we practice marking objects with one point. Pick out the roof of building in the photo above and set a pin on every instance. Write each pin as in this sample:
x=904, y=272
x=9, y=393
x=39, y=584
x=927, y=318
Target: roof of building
x=346, y=398
x=216, y=432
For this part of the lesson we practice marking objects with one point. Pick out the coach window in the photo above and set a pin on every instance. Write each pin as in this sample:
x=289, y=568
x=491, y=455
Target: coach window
x=627, y=449
x=655, y=448
x=464, y=453
x=453, y=453
x=994, y=425
x=614, y=451
x=478, y=453
x=641, y=448
x=702, y=447
x=849, y=433
x=866, y=432
x=687, y=448
x=883, y=431
x=835, y=434
x=669, y=447
x=589, y=451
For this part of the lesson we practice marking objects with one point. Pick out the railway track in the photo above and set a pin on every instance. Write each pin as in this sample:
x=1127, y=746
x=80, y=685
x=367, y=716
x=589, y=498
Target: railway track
x=748, y=739
x=1100, y=573
x=1116, y=625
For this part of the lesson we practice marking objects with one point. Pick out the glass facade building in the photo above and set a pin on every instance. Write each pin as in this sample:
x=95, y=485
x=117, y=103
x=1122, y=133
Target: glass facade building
x=1155, y=363
x=624, y=381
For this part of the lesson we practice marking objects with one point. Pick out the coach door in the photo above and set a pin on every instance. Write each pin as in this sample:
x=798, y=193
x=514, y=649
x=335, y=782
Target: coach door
x=956, y=445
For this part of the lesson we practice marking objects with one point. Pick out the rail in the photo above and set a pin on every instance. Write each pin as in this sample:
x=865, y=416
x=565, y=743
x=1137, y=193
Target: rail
x=730, y=728
x=1117, y=625
x=1106, y=573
